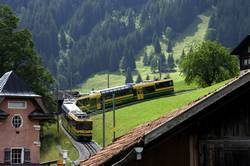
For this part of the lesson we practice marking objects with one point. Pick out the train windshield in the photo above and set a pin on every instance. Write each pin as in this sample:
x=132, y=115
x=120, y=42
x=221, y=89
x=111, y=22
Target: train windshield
x=87, y=125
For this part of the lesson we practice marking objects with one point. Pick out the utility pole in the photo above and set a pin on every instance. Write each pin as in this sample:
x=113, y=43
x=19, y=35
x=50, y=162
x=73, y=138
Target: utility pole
x=108, y=78
x=103, y=122
x=160, y=65
x=114, y=129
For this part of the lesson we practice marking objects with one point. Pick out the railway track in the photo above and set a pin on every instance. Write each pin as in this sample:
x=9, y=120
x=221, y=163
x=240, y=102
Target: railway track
x=91, y=148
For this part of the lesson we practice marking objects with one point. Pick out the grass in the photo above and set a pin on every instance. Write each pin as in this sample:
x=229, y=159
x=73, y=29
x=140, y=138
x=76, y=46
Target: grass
x=49, y=142
x=129, y=117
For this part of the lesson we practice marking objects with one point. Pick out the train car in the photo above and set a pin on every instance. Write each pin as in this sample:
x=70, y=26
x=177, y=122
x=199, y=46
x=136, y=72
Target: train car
x=89, y=102
x=125, y=94
x=152, y=89
x=76, y=122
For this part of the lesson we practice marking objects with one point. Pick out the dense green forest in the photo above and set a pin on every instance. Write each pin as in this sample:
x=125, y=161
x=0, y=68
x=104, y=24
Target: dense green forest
x=78, y=38
x=230, y=22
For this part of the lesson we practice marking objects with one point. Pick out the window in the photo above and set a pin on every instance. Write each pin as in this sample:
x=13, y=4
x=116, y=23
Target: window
x=17, y=105
x=16, y=155
x=16, y=121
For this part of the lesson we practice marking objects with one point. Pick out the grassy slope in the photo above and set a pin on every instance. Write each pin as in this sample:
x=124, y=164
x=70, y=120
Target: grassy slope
x=50, y=140
x=195, y=33
x=129, y=117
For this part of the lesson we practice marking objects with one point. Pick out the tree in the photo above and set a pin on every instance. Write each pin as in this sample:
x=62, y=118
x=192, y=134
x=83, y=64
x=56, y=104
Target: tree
x=147, y=78
x=157, y=46
x=170, y=62
x=145, y=60
x=129, y=77
x=162, y=63
x=18, y=54
x=170, y=47
x=209, y=63
x=154, y=64
x=122, y=65
x=139, y=79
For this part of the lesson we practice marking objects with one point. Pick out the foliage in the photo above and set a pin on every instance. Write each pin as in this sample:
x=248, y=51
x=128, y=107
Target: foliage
x=98, y=33
x=154, y=64
x=129, y=77
x=229, y=23
x=147, y=77
x=157, y=46
x=145, y=60
x=170, y=47
x=127, y=61
x=208, y=64
x=17, y=53
x=162, y=66
x=170, y=62
x=138, y=79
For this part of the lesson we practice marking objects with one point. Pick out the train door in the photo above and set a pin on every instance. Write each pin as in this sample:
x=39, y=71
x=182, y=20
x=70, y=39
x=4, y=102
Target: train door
x=140, y=94
x=98, y=103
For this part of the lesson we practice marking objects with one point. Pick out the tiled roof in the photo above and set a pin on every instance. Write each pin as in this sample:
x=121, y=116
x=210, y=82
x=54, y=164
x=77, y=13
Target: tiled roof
x=12, y=85
x=140, y=133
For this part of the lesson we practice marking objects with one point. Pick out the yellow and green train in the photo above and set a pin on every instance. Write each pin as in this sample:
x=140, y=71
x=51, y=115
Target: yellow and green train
x=125, y=94
x=77, y=123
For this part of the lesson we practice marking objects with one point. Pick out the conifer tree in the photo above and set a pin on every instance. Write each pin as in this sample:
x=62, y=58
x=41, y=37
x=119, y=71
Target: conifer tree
x=129, y=77
x=170, y=47
x=145, y=60
x=171, y=64
x=122, y=64
x=154, y=64
x=139, y=79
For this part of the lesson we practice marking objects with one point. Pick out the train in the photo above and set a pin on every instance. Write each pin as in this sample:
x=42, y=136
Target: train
x=124, y=94
x=76, y=122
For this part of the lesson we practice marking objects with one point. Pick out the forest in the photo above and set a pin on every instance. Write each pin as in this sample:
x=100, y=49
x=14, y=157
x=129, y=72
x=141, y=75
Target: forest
x=72, y=36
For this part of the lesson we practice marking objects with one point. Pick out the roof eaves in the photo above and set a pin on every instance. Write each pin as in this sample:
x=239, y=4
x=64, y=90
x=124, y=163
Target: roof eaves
x=195, y=108
x=236, y=49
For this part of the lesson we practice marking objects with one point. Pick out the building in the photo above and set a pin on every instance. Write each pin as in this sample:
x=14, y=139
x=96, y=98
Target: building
x=214, y=130
x=243, y=53
x=21, y=112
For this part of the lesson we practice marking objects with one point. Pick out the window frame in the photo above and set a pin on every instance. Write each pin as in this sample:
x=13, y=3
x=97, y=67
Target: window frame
x=22, y=155
x=21, y=121
x=20, y=108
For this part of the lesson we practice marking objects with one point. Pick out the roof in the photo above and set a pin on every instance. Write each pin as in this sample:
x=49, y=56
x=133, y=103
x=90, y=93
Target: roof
x=148, y=132
x=12, y=85
x=243, y=43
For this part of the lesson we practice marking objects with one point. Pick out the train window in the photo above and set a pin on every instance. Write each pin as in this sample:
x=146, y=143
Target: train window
x=148, y=89
x=163, y=84
x=84, y=126
x=92, y=102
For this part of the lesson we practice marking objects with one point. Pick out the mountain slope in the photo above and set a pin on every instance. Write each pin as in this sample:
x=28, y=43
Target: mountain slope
x=74, y=35
x=194, y=34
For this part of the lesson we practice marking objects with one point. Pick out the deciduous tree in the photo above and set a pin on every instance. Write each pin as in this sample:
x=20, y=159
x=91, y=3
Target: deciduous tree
x=209, y=63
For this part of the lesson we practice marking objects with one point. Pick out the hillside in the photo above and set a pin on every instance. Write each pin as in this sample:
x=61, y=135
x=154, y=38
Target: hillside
x=194, y=34
x=73, y=36
x=229, y=23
